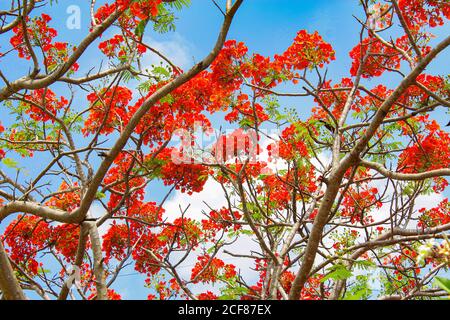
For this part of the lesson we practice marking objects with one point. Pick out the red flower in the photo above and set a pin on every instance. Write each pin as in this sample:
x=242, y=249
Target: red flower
x=380, y=58
x=307, y=51
x=419, y=13
x=209, y=270
x=207, y=296
x=109, y=110
x=186, y=177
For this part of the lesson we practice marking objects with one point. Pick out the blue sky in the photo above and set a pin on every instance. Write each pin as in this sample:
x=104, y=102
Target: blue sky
x=266, y=26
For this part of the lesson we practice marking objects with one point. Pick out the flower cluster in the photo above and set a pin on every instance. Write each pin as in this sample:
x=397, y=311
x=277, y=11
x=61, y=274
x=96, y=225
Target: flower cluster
x=357, y=203
x=419, y=13
x=291, y=145
x=240, y=144
x=435, y=217
x=2, y=152
x=67, y=198
x=221, y=219
x=377, y=58
x=108, y=110
x=333, y=98
x=210, y=270
x=39, y=34
x=135, y=10
x=307, y=51
x=43, y=105
x=430, y=152
x=116, y=47
x=187, y=177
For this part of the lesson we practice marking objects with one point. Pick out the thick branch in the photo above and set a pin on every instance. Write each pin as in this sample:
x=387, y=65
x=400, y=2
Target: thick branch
x=350, y=160
x=8, y=282
x=405, y=176
x=35, y=209
x=158, y=95
x=32, y=84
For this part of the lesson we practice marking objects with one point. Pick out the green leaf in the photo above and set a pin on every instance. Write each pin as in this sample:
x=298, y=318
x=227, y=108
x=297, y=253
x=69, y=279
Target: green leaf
x=100, y=195
x=365, y=264
x=162, y=71
x=10, y=163
x=162, y=238
x=141, y=28
x=168, y=99
x=355, y=297
x=443, y=283
x=337, y=272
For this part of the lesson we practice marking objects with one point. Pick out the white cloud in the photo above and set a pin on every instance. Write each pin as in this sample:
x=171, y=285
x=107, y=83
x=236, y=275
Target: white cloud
x=212, y=194
x=429, y=201
x=176, y=49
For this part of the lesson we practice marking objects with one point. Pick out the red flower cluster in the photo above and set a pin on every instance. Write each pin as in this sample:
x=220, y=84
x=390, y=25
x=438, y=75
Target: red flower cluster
x=368, y=103
x=210, y=270
x=311, y=290
x=186, y=177
x=66, y=240
x=419, y=13
x=57, y=54
x=244, y=109
x=415, y=95
x=209, y=91
x=41, y=35
x=435, y=217
x=358, y=203
x=26, y=236
x=143, y=9
x=291, y=145
x=240, y=144
x=183, y=233
x=111, y=46
x=278, y=192
x=115, y=47
x=262, y=72
x=207, y=296
x=113, y=295
x=221, y=220
x=307, y=51
x=134, y=10
x=120, y=179
x=225, y=69
x=109, y=110
x=405, y=269
x=332, y=98
x=2, y=152
x=249, y=171
x=380, y=58
x=67, y=199
x=431, y=152
x=43, y=105
x=116, y=241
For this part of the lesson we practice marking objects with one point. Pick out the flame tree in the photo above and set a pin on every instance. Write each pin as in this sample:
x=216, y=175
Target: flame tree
x=329, y=204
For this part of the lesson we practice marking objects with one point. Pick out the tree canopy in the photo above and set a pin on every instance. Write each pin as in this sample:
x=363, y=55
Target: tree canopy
x=321, y=200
